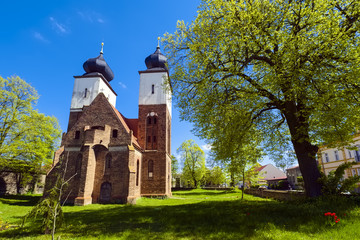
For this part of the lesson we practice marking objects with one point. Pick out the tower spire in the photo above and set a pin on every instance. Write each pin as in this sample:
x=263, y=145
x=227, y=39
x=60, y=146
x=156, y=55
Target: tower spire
x=102, y=48
x=158, y=46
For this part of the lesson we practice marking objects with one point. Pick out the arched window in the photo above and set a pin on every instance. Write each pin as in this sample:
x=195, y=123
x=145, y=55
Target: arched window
x=137, y=173
x=150, y=169
x=105, y=192
x=151, y=131
x=85, y=92
x=77, y=134
x=115, y=133
x=108, y=159
x=78, y=164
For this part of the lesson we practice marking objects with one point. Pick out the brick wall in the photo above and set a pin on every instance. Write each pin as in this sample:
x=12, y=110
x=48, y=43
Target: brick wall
x=276, y=194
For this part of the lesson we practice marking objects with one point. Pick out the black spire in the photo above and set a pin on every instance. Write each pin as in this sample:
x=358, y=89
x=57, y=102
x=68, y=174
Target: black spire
x=156, y=60
x=98, y=65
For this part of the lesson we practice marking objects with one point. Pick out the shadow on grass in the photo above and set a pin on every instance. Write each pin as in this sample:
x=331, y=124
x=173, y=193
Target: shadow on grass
x=205, y=220
x=20, y=200
x=209, y=193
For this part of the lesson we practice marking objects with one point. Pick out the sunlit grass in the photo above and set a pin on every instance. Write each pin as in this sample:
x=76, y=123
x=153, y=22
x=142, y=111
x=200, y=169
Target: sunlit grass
x=196, y=214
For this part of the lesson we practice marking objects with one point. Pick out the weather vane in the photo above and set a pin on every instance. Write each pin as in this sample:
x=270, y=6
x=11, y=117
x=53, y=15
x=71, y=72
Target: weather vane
x=102, y=48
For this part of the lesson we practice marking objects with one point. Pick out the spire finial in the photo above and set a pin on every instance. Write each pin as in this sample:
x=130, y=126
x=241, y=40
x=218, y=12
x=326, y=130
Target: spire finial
x=102, y=48
x=158, y=42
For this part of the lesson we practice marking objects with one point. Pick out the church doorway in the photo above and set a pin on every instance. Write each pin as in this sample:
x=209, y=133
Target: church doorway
x=2, y=186
x=105, y=193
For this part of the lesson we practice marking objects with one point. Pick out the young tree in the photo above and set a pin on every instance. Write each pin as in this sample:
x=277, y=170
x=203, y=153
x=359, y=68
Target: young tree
x=194, y=162
x=174, y=167
x=27, y=138
x=49, y=209
x=289, y=68
x=217, y=176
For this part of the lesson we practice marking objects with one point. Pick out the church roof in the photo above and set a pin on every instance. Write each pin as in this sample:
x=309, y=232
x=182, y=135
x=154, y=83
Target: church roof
x=156, y=61
x=129, y=124
x=98, y=65
x=133, y=124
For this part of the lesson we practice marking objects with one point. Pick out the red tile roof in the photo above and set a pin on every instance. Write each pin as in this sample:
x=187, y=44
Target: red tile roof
x=129, y=124
x=133, y=124
x=279, y=178
x=293, y=167
x=261, y=168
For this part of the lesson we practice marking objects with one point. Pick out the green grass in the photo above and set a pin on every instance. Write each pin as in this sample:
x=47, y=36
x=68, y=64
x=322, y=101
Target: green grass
x=196, y=214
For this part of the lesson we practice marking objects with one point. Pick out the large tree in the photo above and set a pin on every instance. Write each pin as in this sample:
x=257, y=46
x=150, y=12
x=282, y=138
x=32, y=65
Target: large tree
x=289, y=68
x=27, y=138
x=193, y=158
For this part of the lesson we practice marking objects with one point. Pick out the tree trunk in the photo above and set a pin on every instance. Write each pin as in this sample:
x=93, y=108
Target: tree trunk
x=232, y=180
x=243, y=185
x=306, y=156
x=304, y=150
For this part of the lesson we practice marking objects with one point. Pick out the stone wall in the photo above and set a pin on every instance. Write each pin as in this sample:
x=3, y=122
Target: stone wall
x=8, y=184
x=276, y=194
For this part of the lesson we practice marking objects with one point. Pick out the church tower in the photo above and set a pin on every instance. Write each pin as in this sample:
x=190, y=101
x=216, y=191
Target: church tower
x=88, y=86
x=154, y=126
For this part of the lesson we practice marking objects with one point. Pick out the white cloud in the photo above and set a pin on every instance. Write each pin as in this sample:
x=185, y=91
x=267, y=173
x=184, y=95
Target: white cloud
x=122, y=85
x=59, y=28
x=40, y=37
x=206, y=147
x=91, y=16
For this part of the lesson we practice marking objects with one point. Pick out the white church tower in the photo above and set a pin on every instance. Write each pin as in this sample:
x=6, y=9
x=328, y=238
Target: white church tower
x=154, y=126
x=88, y=86
x=154, y=87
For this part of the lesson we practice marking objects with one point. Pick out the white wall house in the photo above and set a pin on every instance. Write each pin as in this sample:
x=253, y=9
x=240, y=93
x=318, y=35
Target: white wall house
x=330, y=158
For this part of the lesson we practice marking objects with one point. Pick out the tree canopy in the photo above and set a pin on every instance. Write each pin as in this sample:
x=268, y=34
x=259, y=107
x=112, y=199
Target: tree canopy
x=27, y=138
x=193, y=158
x=288, y=69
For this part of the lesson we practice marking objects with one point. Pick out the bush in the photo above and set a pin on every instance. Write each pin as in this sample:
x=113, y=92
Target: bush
x=334, y=183
x=283, y=185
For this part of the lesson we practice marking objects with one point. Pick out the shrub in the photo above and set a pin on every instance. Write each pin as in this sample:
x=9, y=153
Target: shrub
x=334, y=183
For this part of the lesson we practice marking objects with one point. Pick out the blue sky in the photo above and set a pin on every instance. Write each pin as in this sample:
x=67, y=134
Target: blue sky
x=47, y=42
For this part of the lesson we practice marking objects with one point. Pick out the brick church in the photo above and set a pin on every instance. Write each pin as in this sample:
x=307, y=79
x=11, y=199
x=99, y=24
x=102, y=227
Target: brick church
x=111, y=158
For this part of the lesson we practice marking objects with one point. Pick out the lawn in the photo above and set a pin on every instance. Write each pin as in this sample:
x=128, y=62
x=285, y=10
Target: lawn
x=196, y=214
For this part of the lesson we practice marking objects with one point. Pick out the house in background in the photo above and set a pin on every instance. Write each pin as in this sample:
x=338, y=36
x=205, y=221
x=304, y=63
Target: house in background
x=292, y=174
x=270, y=175
x=330, y=158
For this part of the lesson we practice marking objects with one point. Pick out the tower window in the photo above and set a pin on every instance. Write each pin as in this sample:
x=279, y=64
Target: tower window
x=152, y=89
x=151, y=131
x=85, y=93
x=108, y=159
x=78, y=165
x=137, y=173
x=115, y=133
x=77, y=134
x=150, y=169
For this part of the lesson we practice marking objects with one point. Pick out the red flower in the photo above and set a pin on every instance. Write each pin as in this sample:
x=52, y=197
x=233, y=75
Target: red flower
x=333, y=214
x=248, y=214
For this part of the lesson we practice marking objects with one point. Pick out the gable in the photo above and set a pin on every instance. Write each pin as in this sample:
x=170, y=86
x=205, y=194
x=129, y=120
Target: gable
x=271, y=172
x=98, y=114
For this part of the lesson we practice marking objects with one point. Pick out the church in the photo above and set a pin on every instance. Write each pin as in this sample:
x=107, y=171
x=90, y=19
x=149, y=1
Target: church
x=110, y=158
